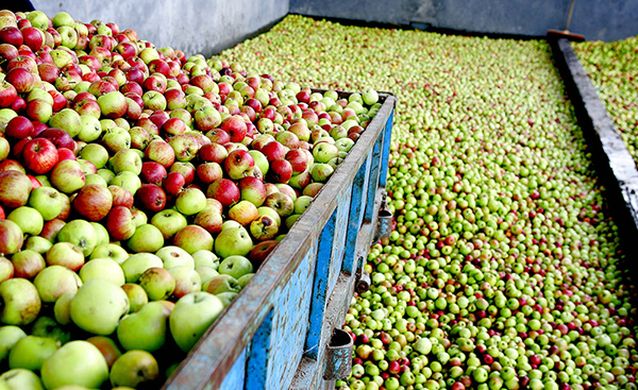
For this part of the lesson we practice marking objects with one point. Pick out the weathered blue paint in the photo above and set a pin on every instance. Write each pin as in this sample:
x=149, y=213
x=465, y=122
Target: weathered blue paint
x=357, y=203
x=387, y=137
x=338, y=244
x=320, y=287
x=291, y=309
x=237, y=375
x=373, y=181
x=364, y=189
x=606, y=20
x=258, y=357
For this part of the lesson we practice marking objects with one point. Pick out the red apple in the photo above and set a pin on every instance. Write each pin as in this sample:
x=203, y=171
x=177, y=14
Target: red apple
x=151, y=197
x=225, y=191
x=11, y=35
x=174, y=183
x=218, y=136
x=121, y=196
x=120, y=223
x=93, y=202
x=19, y=127
x=274, y=151
x=235, y=127
x=280, y=171
x=153, y=172
x=40, y=155
x=15, y=188
x=160, y=152
x=21, y=79
x=33, y=38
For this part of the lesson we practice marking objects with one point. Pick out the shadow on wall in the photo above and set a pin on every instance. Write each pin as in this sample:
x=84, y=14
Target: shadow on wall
x=604, y=20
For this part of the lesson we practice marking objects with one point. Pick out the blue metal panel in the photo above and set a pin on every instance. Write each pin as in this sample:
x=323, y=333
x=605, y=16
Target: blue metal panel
x=320, y=287
x=259, y=350
x=354, y=223
x=364, y=190
x=291, y=309
x=237, y=374
x=339, y=241
x=373, y=182
x=387, y=136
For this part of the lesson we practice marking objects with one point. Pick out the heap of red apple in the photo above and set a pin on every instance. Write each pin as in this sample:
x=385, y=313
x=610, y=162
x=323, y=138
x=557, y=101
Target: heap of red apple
x=139, y=192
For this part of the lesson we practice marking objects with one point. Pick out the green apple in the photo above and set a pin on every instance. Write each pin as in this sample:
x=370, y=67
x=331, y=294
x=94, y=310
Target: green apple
x=19, y=302
x=77, y=363
x=206, y=273
x=98, y=306
x=55, y=281
x=48, y=201
x=20, y=379
x=135, y=369
x=136, y=296
x=193, y=238
x=38, y=20
x=62, y=19
x=190, y=201
x=136, y=264
x=68, y=120
x=101, y=234
x=169, y=222
x=48, y=327
x=187, y=280
x=79, y=233
x=29, y=219
x=205, y=258
x=233, y=241
x=90, y=130
x=95, y=153
x=192, y=315
x=112, y=104
x=38, y=244
x=174, y=256
x=145, y=329
x=103, y=268
x=260, y=161
x=158, y=283
x=235, y=266
x=62, y=308
x=9, y=336
x=65, y=254
x=11, y=237
x=244, y=279
x=222, y=283
x=147, y=238
x=31, y=351
x=112, y=251
x=126, y=160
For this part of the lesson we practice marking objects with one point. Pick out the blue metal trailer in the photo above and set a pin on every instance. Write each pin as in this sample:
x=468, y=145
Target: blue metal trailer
x=283, y=330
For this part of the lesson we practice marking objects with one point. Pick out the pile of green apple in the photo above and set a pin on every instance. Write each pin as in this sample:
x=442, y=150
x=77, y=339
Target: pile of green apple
x=503, y=269
x=613, y=68
x=139, y=192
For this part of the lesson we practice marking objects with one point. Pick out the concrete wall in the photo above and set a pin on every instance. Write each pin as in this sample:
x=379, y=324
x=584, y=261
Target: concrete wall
x=606, y=20
x=194, y=26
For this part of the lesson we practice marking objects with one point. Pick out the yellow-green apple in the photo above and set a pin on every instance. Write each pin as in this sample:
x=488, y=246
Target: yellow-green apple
x=93, y=202
x=15, y=188
x=38, y=244
x=20, y=302
x=103, y=268
x=158, y=283
x=206, y=273
x=140, y=137
x=95, y=153
x=301, y=180
x=11, y=237
x=134, y=369
x=91, y=129
x=47, y=201
x=113, y=104
x=7, y=270
x=187, y=280
x=78, y=363
x=169, y=222
x=127, y=180
x=137, y=263
x=206, y=258
x=190, y=201
x=139, y=217
x=192, y=315
x=9, y=336
x=207, y=118
x=30, y=352
x=68, y=120
x=243, y=212
x=281, y=203
x=233, y=241
x=220, y=284
x=263, y=228
x=312, y=189
x=25, y=264
x=226, y=297
x=126, y=160
x=28, y=218
x=193, y=238
x=185, y=146
x=235, y=266
x=145, y=329
x=20, y=378
x=98, y=306
x=173, y=256
x=55, y=281
x=116, y=138
x=111, y=251
x=136, y=296
x=321, y=172
x=79, y=233
x=147, y=238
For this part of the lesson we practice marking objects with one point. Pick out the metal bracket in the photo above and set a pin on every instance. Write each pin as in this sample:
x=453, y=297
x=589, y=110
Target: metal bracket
x=338, y=355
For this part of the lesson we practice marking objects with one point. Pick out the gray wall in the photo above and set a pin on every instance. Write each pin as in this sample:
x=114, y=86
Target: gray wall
x=193, y=26
x=606, y=20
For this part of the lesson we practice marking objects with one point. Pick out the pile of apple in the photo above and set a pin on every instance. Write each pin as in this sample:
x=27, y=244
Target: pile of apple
x=139, y=192
x=503, y=270
x=613, y=68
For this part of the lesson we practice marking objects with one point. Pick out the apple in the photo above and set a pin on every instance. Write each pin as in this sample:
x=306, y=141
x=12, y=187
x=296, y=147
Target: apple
x=28, y=219
x=54, y=281
x=116, y=138
x=261, y=161
x=274, y=151
x=169, y=222
x=191, y=317
x=312, y=189
x=218, y=136
x=128, y=181
x=185, y=146
x=186, y=169
x=98, y=306
x=158, y=283
x=67, y=176
x=107, y=348
x=30, y=352
x=302, y=203
x=235, y=127
x=174, y=256
x=206, y=258
x=103, y=268
x=264, y=228
x=59, y=137
x=151, y=197
x=222, y=283
x=321, y=172
x=243, y=212
x=190, y=201
x=21, y=79
x=135, y=369
x=15, y=188
x=147, y=238
x=113, y=104
x=153, y=172
x=193, y=238
x=39, y=155
x=20, y=378
x=19, y=127
x=207, y=118
x=93, y=202
x=187, y=280
x=8, y=94
x=235, y=266
x=225, y=191
x=281, y=203
x=11, y=237
x=280, y=171
x=20, y=302
x=120, y=223
x=210, y=219
x=68, y=120
x=121, y=196
x=126, y=160
x=238, y=164
x=78, y=363
x=38, y=244
x=79, y=233
x=233, y=241
x=9, y=336
x=7, y=270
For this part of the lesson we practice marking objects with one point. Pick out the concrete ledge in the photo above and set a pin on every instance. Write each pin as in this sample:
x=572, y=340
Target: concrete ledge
x=615, y=165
